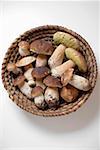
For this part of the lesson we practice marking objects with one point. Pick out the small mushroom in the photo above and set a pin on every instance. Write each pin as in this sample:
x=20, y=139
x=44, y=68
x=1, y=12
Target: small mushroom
x=52, y=97
x=19, y=81
x=40, y=83
x=69, y=93
x=36, y=91
x=24, y=48
x=51, y=81
x=59, y=70
x=26, y=90
x=40, y=102
x=41, y=47
x=66, y=76
x=12, y=67
x=77, y=58
x=28, y=76
x=28, y=66
x=40, y=72
x=25, y=61
x=80, y=83
x=41, y=60
x=56, y=58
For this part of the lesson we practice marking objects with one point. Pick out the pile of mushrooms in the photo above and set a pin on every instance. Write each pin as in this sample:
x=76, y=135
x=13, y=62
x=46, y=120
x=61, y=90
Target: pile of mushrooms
x=43, y=74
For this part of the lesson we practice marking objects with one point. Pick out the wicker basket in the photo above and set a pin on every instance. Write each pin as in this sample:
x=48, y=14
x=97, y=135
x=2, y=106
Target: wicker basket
x=12, y=55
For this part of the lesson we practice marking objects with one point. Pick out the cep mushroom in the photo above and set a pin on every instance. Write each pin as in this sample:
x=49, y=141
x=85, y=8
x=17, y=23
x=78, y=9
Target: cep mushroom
x=24, y=48
x=40, y=101
x=41, y=47
x=67, y=39
x=56, y=58
x=40, y=72
x=59, y=70
x=41, y=60
x=13, y=68
x=77, y=58
x=52, y=97
x=23, y=86
x=28, y=76
x=51, y=81
x=80, y=83
x=25, y=61
x=69, y=93
x=66, y=76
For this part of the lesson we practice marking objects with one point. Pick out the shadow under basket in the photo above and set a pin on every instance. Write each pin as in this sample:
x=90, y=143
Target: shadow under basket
x=12, y=55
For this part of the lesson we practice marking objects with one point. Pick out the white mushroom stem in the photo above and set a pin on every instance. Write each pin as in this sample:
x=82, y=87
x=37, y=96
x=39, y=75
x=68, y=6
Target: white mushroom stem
x=41, y=84
x=28, y=76
x=52, y=96
x=26, y=89
x=80, y=83
x=39, y=101
x=56, y=58
x=59, y=70
x=41, y=60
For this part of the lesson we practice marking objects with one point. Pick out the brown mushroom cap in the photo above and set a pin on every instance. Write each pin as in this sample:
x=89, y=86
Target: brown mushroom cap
x=36, y=91
x=69, y=93
x=19, y=80
x=40, y=72
x=24, y=45
x=11, y=66
x=25, y=61
x=51, y=81
x=41, y=47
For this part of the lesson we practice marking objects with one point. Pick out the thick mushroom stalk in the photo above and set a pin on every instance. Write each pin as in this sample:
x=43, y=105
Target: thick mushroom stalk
x=26, y=90
x=12, y=68
x=41, y=60
x=40, y=102
x=56, y=58
x=59, y=70
x=24, y=48
x=28, y=76
x=80, y=83
x=52, y=97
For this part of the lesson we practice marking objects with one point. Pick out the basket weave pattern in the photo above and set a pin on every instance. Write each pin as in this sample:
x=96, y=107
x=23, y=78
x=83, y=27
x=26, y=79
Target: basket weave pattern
x=12, y=55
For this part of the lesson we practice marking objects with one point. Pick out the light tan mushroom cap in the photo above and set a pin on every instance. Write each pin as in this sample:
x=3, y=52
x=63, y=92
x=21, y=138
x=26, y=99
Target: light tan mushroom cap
x=25, y=61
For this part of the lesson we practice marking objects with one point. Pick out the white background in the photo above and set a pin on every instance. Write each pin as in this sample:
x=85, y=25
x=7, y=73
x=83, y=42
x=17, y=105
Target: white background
x=20, y=130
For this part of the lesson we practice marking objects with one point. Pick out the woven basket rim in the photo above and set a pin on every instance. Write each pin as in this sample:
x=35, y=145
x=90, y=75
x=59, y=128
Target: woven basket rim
x=48, y=113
